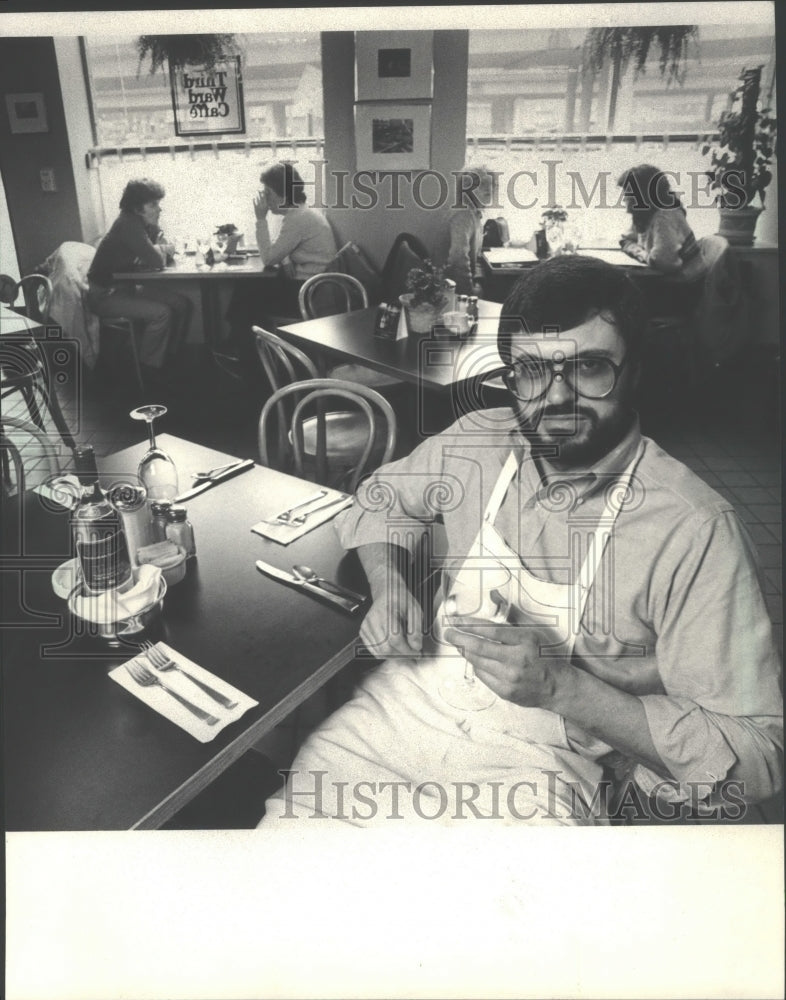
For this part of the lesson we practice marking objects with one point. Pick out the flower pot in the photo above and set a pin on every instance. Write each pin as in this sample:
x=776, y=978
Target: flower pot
x=738, y=225
x=420, y=318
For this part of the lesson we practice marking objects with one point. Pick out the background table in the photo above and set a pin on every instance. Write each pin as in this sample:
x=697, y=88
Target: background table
x=80, y=752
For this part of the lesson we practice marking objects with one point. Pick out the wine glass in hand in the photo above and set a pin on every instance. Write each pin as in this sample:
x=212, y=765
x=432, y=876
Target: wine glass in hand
x=480, y=593
x=156, y=469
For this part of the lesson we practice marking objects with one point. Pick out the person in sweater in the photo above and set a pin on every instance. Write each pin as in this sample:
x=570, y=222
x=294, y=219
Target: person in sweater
x=475, y=191
x=304, y=246
x=136, y=243
x=660, y=235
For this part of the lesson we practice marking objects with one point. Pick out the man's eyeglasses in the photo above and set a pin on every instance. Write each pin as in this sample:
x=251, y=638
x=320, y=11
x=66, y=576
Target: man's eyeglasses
x=591, y=377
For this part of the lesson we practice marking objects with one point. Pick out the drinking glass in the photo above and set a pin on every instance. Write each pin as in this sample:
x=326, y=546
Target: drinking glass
x=156, y=469
x=202, y=246
x=470, y=596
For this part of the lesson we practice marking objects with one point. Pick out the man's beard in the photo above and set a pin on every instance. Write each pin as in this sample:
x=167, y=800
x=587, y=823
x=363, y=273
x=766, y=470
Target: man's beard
x=592, y=437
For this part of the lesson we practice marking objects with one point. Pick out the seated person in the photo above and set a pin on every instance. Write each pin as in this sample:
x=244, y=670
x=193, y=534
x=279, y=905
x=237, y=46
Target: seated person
x=474, y=191
x=305, y=245
x=135, y=243
x=660, y=235
x=637, y=643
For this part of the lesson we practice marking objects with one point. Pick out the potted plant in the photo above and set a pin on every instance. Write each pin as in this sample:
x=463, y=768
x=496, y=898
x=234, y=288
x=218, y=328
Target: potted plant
x=552, y=221
x=740, y=162
x=229, y=236
x=185, y=50
x=425, y=298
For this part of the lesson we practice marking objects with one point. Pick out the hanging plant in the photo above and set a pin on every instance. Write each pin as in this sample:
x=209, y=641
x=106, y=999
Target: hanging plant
x=185, y=50
x=675, y=44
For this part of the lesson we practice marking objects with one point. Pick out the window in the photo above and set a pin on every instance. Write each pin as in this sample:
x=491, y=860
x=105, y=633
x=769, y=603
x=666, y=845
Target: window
x=557, y=133
x=134, y=125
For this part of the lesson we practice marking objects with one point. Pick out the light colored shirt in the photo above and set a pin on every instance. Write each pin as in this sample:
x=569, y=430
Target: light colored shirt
x=466, y=240
x=676, y=615
x=667, y=245
x=305, y=240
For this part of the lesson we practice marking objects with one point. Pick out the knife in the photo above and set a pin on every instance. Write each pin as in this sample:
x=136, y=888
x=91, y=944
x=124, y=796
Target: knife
x=290, y=578
x=238, y=467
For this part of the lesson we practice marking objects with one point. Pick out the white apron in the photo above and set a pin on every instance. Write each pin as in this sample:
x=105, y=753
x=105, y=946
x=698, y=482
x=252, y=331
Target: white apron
x=516, y=763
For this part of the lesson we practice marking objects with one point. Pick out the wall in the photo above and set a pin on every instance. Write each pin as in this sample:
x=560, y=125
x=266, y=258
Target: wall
x=375, y=228
x=40, y=220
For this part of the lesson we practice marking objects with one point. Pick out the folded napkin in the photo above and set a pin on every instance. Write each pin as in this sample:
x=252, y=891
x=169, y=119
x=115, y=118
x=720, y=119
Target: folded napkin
x=111, y=606
x=286, y=533
x=163, y=703
x=64, y=490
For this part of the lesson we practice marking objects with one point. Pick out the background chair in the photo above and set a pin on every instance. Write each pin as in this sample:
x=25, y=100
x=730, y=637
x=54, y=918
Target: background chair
x=27, y=456
x=353, y=260
x=348, y=441
x=125, y=327
x=36, y=292
x=337, y=437
x=328, y=294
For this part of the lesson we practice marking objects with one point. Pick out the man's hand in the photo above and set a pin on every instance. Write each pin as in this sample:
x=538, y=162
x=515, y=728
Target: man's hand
x=394, y=623
x=508, y=659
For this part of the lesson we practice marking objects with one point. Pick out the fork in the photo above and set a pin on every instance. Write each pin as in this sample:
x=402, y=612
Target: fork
x=146, y=678
x=161, y=661
x=302, y=518
x=285, y=517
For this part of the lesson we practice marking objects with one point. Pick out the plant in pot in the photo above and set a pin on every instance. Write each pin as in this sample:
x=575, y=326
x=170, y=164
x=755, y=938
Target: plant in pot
x=205, y=51
x=425, y=297
x=552, y=220
x=228, y=236
x=740, y=161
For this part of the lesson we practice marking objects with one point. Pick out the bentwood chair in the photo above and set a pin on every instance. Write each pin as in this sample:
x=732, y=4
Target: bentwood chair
x=330, y=439
x=328, y=294
x=27, y=455
x=36, y=292
x=335, y=449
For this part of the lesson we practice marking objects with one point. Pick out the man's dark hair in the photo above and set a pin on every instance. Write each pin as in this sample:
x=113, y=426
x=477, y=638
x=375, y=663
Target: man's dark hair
x=565, y=292
x=138, y=193
x=286, y=182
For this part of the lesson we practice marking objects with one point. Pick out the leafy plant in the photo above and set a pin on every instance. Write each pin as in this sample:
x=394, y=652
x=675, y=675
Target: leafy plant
x=427, y=285
x=746, y=144
x=675, y=43
x=178, y=51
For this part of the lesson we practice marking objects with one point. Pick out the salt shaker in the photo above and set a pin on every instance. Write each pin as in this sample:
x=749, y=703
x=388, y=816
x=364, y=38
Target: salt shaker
x=158, y=511
x=179, y=530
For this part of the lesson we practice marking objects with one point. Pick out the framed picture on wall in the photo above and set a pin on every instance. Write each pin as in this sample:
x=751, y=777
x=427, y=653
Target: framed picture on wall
x=394, y=65
x=26, y=112
x=208, y=101
x=392, y=136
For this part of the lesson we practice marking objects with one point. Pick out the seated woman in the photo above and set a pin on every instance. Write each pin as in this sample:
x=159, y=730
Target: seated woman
x=135, y=243
x=305, y=245
x=660, y=235
x=475, y=191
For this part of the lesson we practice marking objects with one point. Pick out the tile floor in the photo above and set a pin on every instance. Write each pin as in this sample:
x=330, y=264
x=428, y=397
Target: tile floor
x=729, y=434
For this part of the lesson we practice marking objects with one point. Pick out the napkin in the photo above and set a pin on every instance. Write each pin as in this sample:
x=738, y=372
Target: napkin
x=110, y=606
x=163, y=703
x=286, y=533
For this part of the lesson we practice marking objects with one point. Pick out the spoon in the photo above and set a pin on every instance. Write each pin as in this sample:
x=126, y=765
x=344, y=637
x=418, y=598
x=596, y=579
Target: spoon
x=311, y=576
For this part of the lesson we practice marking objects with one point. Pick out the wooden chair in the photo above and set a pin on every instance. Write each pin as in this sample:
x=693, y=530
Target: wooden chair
x=36, y=292
x=27, y=453
x=125, y=327
x=328, y=294
x=340, y=445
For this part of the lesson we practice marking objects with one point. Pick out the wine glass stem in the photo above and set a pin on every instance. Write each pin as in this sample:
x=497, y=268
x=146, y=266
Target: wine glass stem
x=151, y=434
x=469, y=672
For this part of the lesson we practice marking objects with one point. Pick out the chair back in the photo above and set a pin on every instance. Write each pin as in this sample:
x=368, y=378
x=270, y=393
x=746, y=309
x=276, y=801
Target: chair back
x=352, y=259
x=36, y=292
x=308, y=396
x=407, y=252
x=283, y=364
x=330, y=293
x=27, y=450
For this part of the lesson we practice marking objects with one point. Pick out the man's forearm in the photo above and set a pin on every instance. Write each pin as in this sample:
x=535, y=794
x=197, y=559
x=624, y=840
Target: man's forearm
x=380, y=560
x=614, y=716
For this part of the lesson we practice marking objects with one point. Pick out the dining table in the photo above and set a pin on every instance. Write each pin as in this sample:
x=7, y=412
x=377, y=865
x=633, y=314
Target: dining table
x=83, y=753
x=184, y=268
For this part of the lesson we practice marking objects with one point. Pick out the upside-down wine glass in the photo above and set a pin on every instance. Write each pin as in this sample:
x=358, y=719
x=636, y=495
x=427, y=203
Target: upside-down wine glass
x=156, y=469
x=470, y=596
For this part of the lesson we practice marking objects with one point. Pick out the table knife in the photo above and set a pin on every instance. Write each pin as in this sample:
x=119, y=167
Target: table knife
x=234, y=470
x=290, y=578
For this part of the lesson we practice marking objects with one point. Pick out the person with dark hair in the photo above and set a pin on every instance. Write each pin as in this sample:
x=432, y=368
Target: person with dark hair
x=305, y=245
x=660, y=235
x=603, y=637
x=136, y=243
x=474, y=191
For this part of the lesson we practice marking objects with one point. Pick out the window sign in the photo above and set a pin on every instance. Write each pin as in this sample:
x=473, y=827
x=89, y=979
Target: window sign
x=208, y=101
